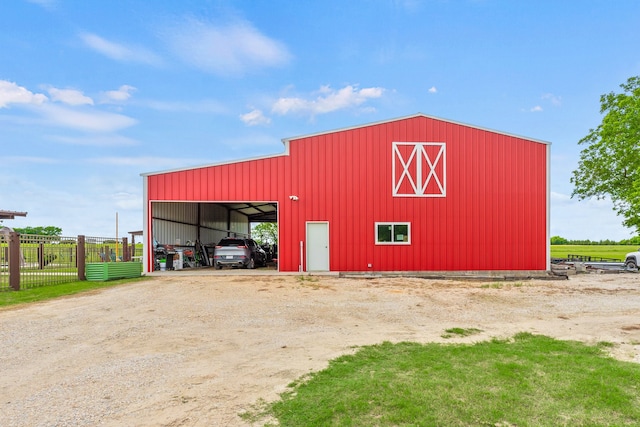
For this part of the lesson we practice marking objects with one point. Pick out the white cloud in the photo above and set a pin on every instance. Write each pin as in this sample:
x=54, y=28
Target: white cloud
x=78, y=210
x=77, y=113
x=97, y=140
x=119, y=52
x=433, y=89
x=69, y=96
x=204, y=106
x=147, y=164
x=226, y=50
x=29, y=159
x=574, y=219
x=559, y=197
x=329, y=100
x=551, y=98
x=131, y=202
x=11, y=93
x=554, y=99
x=94, y=121
x=122, y=94
x=368, y=92
x=254, y=118
x=409, y=5
x=47, y=4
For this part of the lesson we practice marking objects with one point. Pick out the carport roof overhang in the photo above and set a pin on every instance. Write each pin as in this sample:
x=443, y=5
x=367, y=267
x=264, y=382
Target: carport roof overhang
x=255, y=211
x=11, y=214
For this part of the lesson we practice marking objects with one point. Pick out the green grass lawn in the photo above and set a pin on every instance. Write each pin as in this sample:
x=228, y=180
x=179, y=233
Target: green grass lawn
x=54, y=291
x=526, y=381
x=600, y=251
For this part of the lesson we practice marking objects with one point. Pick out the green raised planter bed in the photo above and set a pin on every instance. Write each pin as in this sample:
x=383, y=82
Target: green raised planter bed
x=103, y=271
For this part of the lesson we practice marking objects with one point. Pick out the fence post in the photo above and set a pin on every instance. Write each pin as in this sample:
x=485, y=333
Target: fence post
x=41, y=263
x=80, y=258
x=14, y=261
x=125, y=250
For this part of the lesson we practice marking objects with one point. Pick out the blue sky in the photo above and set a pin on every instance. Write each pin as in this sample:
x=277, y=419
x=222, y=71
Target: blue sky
x=94, y=93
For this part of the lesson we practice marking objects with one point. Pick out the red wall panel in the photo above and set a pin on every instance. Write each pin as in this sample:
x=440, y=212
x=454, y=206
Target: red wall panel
x=494, y=215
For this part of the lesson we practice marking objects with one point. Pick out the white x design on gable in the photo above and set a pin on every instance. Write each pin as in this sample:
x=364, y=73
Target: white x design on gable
x=419, y=169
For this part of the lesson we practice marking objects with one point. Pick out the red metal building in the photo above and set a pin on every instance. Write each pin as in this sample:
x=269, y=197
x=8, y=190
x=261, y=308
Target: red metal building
x=417, y=193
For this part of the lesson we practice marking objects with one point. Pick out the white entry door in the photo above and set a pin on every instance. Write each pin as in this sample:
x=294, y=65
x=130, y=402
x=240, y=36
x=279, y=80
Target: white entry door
x=317, y=246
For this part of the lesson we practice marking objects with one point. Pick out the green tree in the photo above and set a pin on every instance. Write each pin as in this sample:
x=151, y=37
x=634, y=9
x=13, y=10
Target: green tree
x=632, y=241
x=40, y=231
x=609, y=165
x=265, y=233
x=557, y=240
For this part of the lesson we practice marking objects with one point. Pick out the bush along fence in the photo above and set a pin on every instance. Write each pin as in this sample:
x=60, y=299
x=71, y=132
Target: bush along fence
x=30, y=261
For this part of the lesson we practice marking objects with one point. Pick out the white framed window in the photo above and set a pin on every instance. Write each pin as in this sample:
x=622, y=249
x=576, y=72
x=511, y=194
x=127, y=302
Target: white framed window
x=419, y=169
x=393, y=233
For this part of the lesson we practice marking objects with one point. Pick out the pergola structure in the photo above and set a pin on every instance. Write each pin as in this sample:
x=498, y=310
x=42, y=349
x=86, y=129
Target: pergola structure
x=11, y=214
x=133, y=236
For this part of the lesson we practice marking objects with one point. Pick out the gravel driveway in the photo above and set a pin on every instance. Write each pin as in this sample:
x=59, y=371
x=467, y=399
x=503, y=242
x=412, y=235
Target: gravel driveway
x=199, y=350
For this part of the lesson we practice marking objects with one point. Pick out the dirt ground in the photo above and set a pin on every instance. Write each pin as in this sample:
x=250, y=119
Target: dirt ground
x=199, y=350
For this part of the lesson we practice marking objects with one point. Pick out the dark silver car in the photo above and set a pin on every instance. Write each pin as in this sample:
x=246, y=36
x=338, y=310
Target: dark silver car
x=238, y=252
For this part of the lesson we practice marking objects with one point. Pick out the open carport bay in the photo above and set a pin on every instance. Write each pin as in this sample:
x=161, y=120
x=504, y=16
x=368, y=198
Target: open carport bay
x=200, y=349
x=189, y=231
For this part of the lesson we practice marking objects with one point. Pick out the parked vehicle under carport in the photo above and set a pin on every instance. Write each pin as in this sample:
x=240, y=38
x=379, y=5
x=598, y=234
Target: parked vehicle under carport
x=238, y=252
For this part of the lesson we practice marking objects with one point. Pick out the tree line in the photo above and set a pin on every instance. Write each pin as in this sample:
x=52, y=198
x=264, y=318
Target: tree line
x=557, y=240
x=40, y=231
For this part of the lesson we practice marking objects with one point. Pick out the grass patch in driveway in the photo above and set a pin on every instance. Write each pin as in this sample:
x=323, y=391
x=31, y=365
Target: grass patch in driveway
x=460, y=332
x=529, y=380
x=55, y=291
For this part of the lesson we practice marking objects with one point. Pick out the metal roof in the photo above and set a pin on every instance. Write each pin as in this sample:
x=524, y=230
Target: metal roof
x=414, y=116
x=11, y=214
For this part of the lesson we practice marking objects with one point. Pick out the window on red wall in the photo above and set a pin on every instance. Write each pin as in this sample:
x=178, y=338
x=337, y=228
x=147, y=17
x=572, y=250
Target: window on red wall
x=393, y=233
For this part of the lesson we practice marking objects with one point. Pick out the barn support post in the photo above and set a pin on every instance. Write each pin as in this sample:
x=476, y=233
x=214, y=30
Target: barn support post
x=14, y=261
x=132, y=251
x=199, y=220
x=81, y=258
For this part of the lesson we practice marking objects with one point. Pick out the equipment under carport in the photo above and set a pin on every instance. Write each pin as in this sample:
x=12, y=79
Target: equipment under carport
x=177, y=257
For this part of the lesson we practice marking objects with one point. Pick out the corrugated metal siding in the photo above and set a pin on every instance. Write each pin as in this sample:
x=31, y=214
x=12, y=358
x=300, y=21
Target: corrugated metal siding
x=213, y=216
x=178, y=212
x=492, y=218
x=176, y=223
x=213, y=221
x=173, y=233
x=239, y=223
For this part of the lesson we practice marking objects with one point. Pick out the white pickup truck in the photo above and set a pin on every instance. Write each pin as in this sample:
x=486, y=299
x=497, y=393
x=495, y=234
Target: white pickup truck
x=632, y=260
